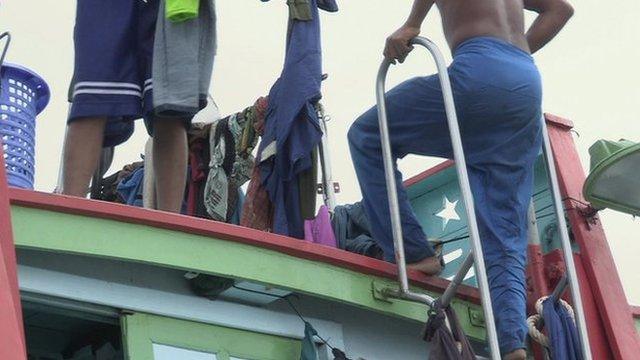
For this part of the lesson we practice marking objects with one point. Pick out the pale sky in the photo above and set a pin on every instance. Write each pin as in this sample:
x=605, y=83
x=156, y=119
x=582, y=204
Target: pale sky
x=590, y=75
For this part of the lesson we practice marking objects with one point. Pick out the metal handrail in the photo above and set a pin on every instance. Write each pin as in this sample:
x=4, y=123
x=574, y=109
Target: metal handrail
x=458, y=152
x=571, y=272
x=328, y=191
x=6, y=35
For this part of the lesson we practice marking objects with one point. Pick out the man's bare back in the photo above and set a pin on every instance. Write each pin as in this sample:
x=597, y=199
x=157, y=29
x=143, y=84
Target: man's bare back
x=504, y=19
x=463, y=19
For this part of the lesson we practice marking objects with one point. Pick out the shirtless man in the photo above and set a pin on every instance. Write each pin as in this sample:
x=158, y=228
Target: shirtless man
x=498, y=95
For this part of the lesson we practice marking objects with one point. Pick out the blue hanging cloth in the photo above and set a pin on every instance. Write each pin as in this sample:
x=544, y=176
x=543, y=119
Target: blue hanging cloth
x=291, y=125
x=326, y=5
x=309, y=350
x=563, y=337
x=130, y=188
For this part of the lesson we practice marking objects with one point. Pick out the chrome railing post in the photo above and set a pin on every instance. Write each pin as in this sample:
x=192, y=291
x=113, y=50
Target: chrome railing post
x=571, y=273
x=465, y=188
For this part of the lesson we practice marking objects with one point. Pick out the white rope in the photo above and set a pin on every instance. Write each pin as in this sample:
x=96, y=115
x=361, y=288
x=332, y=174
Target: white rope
x=534, y=320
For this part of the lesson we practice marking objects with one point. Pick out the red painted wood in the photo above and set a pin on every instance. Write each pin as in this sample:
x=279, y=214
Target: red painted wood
x=536, y=287
x=430, y=172
x=600, y=273
x=12, y=343
x=536, y=280
x=192, y=225
x=600, y=347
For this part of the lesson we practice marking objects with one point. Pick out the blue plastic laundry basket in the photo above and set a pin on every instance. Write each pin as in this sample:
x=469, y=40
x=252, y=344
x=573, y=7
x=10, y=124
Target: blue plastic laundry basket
x=23, y=95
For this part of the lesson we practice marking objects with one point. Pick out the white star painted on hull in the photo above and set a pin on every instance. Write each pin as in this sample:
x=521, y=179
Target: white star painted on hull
x=448, y=212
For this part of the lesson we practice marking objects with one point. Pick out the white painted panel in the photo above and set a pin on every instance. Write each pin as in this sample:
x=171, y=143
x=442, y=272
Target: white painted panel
x=165, y=352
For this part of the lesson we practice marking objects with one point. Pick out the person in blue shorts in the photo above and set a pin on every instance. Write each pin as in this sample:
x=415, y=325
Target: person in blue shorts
x=112, y=86
x=498, y=96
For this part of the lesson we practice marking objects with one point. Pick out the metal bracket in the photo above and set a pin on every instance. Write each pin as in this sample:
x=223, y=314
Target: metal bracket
x=336, y=188
x=380, y=292
x=476, y=317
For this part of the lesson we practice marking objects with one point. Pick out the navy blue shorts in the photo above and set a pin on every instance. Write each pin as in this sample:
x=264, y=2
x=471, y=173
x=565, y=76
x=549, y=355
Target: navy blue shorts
x=113, y=57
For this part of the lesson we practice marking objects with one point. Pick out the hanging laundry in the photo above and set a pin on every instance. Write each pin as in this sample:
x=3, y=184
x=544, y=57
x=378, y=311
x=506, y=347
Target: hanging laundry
x=117, y=131
x=300, y=10
x=183, y=56
x=130, y=188
x=199, y=169
x=564, y=342
x=339, y=354
x=231, y=162
x=292, y=130
x=319, y=230
x=198, y=137
x=237, y=214
x=309, y=350
x=448, y=341
x=182, y=10
x=326, y=5
x=308, y=188
x=257, y=212
x=217, y=186
x=250, y=135
x=352, y=231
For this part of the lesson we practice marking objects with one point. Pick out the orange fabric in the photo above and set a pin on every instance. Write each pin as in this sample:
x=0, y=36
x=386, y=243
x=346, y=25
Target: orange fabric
x=257, y=212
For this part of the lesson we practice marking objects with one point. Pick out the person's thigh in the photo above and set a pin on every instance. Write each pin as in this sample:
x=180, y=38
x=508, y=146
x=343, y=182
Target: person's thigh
x=416, y=118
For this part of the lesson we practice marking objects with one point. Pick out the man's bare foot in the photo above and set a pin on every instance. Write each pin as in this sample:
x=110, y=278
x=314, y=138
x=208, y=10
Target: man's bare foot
x=430, y=266
x=519, y=354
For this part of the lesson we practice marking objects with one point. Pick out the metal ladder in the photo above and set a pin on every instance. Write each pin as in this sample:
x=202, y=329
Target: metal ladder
x=475, y=257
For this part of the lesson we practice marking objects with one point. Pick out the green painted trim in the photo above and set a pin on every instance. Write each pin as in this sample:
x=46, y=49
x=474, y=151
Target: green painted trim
x=141, y=331
x=637, y=322
x=75, y=234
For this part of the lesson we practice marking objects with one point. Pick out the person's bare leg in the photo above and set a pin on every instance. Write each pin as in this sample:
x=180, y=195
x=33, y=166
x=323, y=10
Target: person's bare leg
x=170, y=153
x=82, y=148
x=430, y=265
x=519, y=354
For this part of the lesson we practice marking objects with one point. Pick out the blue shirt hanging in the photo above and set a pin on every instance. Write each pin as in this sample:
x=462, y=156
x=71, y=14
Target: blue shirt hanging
x=291, y=125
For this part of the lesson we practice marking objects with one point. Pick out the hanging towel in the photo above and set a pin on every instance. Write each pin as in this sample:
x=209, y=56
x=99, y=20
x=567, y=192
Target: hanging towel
x=182, y=10
x=292, y=129
x=319, y=230
x=183, y=56
x=448, y=341
x=563, y=337
x=309, y=350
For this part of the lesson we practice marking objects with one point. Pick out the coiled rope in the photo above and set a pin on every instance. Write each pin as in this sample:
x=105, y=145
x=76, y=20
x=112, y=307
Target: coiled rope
x=535, y=320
